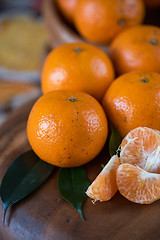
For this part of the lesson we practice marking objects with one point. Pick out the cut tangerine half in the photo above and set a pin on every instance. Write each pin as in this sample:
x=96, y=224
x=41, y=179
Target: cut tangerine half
x=140, y=147
x=104, y=186
x=138, y=185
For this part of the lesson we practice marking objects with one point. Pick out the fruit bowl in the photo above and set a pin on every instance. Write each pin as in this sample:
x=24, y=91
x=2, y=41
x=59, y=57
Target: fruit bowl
x=59, y=31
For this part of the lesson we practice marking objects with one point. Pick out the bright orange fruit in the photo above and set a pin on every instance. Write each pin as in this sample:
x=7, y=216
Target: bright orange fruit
x=141, y=147
x=77, y=66
x=104, y=186
x=137, y=49
x=132, y=101
x=67, y=128
x=67, y=8
x=135, y=173
x=137, y=185
x=101, y=20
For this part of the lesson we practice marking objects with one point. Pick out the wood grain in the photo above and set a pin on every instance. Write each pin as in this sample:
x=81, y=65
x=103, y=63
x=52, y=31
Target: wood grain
x=44, y=215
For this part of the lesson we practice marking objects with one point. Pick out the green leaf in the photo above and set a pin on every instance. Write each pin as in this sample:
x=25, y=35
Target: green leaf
x=72, y=184
x=114, y=142
x=23, y=177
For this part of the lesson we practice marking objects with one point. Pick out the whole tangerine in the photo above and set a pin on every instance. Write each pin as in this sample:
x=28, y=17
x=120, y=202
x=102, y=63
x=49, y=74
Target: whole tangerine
x=133, y=100
x=67, y=128
x=77, y=66
x=137, y=49
x=100, y=20
x=67, y=8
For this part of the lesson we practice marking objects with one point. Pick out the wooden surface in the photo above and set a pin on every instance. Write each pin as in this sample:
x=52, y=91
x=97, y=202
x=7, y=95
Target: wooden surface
x=15, y=94
x=44, y=215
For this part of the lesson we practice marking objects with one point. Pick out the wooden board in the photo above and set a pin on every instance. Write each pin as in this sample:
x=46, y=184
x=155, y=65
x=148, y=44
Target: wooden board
x=44, y=215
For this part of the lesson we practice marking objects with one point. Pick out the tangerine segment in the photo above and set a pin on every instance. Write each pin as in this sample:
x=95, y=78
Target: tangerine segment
x=104, y=186
x=138, y=145
x=137, y=185
x=153, y=161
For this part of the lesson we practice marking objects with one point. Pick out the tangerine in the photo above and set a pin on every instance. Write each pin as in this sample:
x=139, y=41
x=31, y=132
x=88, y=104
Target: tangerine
x=100, y=20
x=77, y=66
x=135, y=173
x=67, y=128
x=137, y=49
x=132, y=101
x=67, y=8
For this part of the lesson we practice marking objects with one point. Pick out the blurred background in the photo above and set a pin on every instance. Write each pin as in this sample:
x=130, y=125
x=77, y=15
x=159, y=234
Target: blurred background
x=22, y=51
x=24, y=44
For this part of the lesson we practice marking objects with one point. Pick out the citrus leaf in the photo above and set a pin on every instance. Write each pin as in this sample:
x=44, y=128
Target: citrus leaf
x=114, y=142
x=23, y=177
x=72, y=184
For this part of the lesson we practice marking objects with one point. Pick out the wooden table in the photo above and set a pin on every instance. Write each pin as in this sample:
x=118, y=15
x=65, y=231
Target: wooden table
x=14, y=94
x=44, y=215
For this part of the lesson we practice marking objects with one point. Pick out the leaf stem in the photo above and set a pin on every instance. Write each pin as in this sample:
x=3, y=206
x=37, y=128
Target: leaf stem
x=4, y=216
x=81, y=214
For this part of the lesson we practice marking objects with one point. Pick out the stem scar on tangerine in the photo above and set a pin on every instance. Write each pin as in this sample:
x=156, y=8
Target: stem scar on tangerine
x=154, y=42
x=78, y=50
x=73, y=99
x=145, y=80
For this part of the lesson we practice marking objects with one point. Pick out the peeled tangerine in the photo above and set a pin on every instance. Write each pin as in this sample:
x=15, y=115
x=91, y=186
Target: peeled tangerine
x=138, y=177
x=136, y=174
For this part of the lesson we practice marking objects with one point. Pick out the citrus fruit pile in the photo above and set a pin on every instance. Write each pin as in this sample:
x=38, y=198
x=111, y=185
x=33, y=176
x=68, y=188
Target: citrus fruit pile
x=67, y=126
x=83, y=88
x=135, y=173
x=99, y=21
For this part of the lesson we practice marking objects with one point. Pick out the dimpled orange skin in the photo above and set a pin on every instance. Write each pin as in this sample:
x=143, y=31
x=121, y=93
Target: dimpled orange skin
x=137, y=49
x=67, y=8
x=100, y=20
x=77, y=66
x=67, y=128
x=133, y=100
